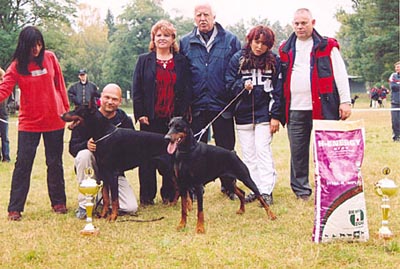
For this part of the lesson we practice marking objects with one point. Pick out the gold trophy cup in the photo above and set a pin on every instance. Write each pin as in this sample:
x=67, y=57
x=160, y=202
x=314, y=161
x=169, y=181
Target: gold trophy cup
x=89, y=188
x=385, y=188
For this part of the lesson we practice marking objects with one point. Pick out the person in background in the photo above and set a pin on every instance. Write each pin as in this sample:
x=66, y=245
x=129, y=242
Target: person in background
x=209, y=47
x=81, y=92
x=82, y=146
x=374, y=96
x=43, y=99
x=383, y=95
x=316, y=86
x=259, y=110
x=161, y=90
x=5, y=143
x=394, y=82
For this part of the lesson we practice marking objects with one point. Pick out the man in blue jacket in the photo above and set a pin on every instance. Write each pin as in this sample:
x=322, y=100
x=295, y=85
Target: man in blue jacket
x=209, y=47
x=394, y=81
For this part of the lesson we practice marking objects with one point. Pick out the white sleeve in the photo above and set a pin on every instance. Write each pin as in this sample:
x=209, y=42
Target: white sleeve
x=391, y=77
x=340, y=75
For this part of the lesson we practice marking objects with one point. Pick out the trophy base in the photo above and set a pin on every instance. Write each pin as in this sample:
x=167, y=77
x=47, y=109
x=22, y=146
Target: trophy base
x=90, y=230
x=385, y=233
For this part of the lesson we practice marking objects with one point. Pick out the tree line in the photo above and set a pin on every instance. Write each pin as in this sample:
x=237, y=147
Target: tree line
x=108, y=48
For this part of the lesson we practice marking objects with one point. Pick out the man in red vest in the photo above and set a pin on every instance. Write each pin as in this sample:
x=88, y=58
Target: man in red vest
x=316, y=86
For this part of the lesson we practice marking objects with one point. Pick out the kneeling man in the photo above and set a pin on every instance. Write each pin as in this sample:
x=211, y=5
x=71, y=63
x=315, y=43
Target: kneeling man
x=82, y=146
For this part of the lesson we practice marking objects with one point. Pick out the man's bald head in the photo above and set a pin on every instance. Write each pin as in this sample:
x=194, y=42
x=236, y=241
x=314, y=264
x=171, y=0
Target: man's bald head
x=113, y=88
x=111, y=98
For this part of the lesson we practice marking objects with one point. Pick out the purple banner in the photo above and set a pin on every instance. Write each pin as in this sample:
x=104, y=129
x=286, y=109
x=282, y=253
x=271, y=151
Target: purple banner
x=339, y=199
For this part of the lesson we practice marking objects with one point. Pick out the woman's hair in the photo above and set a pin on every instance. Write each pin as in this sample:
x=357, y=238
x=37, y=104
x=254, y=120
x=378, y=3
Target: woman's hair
x=167, y=28
x=265, y=61
x=29, y=37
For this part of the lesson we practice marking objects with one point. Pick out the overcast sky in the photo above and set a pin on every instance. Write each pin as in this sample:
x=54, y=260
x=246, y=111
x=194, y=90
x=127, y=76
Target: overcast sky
x=231, y=11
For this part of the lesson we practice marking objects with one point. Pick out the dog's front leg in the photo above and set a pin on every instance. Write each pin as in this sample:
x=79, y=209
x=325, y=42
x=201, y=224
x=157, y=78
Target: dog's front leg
x=106, y=201
x=200, y=213
x=182, y=223
x=176, y=197
x=114, y=210
x=114, y=197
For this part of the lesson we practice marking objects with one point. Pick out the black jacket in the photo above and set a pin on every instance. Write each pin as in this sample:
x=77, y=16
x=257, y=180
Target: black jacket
x=80, y=136
x=78, y=90
x=265, y=101
x=144, y=85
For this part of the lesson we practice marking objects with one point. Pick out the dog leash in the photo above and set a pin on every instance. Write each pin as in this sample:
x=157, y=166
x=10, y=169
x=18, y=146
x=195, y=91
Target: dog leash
x=107, y=135
x=140, y=220
x=202, y=131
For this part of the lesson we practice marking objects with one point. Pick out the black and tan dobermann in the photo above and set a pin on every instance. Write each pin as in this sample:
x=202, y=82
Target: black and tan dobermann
x=197, y=163
x=117, y=150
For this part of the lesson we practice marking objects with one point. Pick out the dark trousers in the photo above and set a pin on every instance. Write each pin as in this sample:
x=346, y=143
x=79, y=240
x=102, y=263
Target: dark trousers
x=164, y=165
x=396, y=121
x=27, y=145
x=223, y=131
x=299, y=132
x=5, y=143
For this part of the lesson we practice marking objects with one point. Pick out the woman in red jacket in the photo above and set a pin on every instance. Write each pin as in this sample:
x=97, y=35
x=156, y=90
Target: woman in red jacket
x=43, y=99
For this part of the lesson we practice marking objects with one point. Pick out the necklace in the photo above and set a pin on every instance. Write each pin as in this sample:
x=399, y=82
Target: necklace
x=164, y=62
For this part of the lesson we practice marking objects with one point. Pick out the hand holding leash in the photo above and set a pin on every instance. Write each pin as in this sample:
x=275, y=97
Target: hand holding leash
x=202, y=131
x=91, y=145
x=248, y=85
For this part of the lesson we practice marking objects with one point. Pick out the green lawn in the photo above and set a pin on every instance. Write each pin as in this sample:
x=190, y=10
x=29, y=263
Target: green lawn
x=46, y=240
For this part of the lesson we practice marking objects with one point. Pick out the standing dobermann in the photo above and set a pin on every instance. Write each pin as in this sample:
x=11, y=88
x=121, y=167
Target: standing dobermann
x=197, y=163
x=117, y=150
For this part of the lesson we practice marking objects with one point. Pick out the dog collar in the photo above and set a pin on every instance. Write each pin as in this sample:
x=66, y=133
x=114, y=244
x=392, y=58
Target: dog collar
x=107, y=135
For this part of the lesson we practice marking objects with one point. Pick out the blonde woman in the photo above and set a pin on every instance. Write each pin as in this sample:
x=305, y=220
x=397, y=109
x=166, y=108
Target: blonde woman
x=160, y=91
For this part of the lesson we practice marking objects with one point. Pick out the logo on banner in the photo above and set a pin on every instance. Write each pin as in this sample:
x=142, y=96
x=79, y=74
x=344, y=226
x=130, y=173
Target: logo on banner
x=357, y=217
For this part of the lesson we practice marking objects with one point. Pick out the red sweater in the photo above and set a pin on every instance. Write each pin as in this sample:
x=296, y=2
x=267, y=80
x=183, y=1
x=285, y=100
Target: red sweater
x=43, y=95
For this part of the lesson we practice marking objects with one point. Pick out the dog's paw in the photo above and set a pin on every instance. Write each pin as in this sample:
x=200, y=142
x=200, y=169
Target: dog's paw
x=272, y=216
x=181, y=226
x=240, y=211
x=112, y=217
x=103, y=214
x=200, y=229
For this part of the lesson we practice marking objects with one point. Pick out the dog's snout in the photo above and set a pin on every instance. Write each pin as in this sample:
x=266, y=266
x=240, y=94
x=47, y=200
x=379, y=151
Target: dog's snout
x=167, y=137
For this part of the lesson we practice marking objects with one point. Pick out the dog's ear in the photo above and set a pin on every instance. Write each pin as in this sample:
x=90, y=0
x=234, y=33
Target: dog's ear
x=92, y=106
x=94, y=97
x=187, y=116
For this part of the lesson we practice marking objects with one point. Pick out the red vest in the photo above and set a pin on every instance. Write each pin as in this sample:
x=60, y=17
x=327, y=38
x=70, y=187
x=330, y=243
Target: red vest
x=325, y=97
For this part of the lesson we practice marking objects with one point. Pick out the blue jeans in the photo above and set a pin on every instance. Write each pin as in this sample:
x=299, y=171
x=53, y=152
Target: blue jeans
x=5, y=143
x=299, y=132
x=27, y=145
x=396, y=121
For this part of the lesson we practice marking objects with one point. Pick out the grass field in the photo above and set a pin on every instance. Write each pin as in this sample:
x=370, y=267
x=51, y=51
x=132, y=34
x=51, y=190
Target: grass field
x=46, y=240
